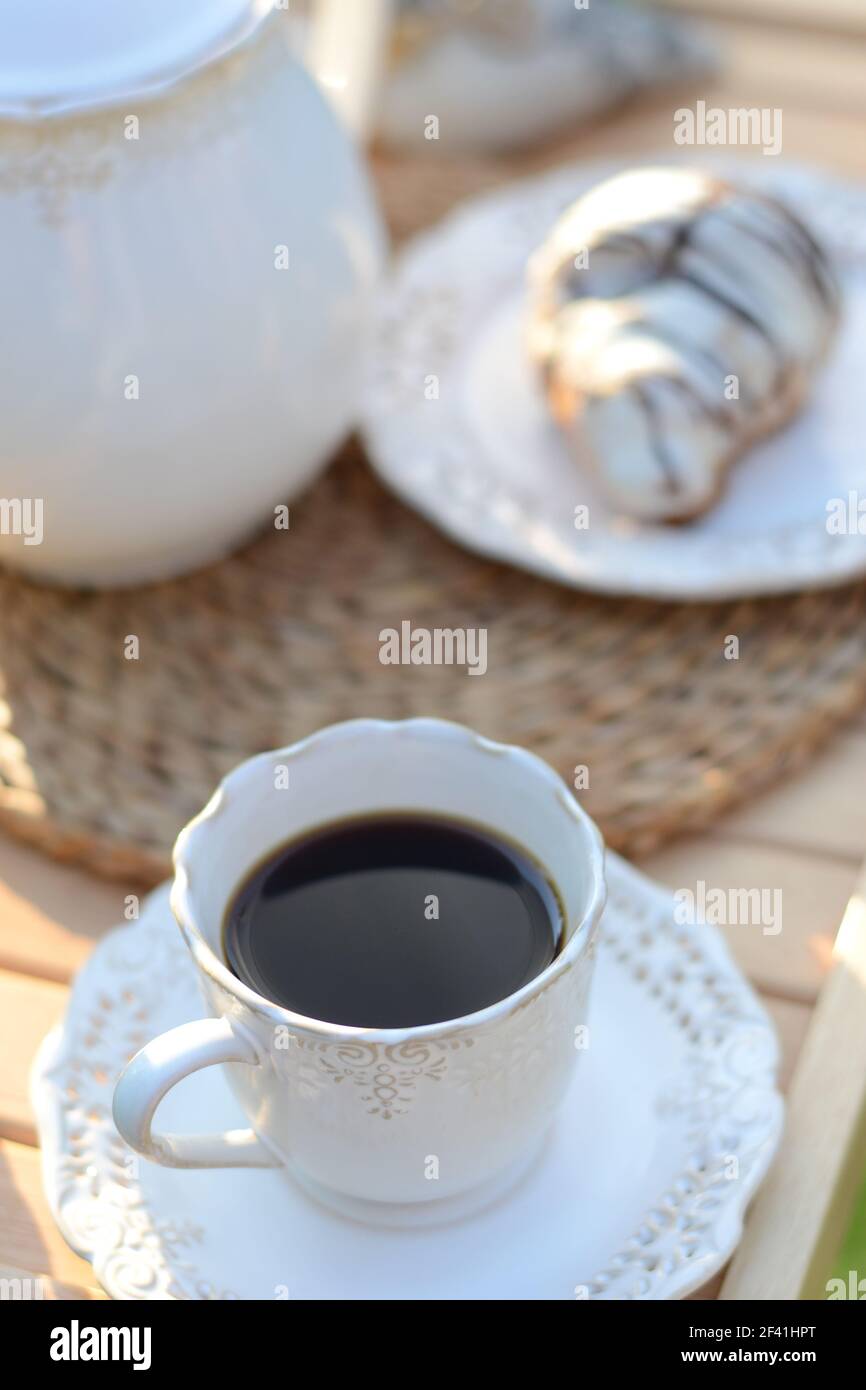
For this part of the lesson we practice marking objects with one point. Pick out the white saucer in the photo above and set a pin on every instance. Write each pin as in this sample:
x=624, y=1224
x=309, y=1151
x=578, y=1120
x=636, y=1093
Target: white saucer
x=631, y=1197
x=485, y=462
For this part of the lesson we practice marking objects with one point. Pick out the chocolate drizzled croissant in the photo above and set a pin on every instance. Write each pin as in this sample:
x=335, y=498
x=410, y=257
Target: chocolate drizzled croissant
x=677, y=319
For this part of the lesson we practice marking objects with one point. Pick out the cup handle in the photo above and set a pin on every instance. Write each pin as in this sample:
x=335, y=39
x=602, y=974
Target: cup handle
x=159, y=1065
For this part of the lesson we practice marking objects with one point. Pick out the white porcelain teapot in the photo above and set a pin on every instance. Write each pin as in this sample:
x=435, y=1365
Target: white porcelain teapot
x=189, y=252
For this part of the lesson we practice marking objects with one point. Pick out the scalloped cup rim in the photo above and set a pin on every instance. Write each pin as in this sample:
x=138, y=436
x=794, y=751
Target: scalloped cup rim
x=210, y=964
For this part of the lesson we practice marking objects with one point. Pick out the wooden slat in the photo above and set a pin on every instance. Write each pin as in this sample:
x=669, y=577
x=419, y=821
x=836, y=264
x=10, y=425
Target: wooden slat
x=709, y=1290
x=50, y=914
x=792, y=1024
x=834, y=140
x=800, y=1217
x=29, y=1008
x=20, y=1283
x=839, y=16
x=797, y=71
x=29, y=1238
x=821, y=811
x=814, y=893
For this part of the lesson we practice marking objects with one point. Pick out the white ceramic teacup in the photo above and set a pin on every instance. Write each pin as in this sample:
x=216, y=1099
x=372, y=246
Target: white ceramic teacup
x=385, y=1124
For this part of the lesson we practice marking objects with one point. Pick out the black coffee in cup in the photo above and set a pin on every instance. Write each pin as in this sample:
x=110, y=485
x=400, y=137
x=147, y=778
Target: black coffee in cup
x=392, y=921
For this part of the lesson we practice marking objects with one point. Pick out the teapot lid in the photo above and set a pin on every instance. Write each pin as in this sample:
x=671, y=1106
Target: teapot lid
x=61, y=54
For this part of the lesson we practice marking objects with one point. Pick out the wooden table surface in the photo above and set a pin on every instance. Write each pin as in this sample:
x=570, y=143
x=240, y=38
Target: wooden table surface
x=807, y=838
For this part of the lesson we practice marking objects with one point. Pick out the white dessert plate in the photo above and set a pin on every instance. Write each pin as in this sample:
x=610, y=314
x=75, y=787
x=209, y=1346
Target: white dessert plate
x=639, y=1191
x=456, y=424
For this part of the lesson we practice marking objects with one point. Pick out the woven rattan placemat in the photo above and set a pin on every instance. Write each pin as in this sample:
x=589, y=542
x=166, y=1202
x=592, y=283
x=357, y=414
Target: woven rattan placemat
x=103, y=758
